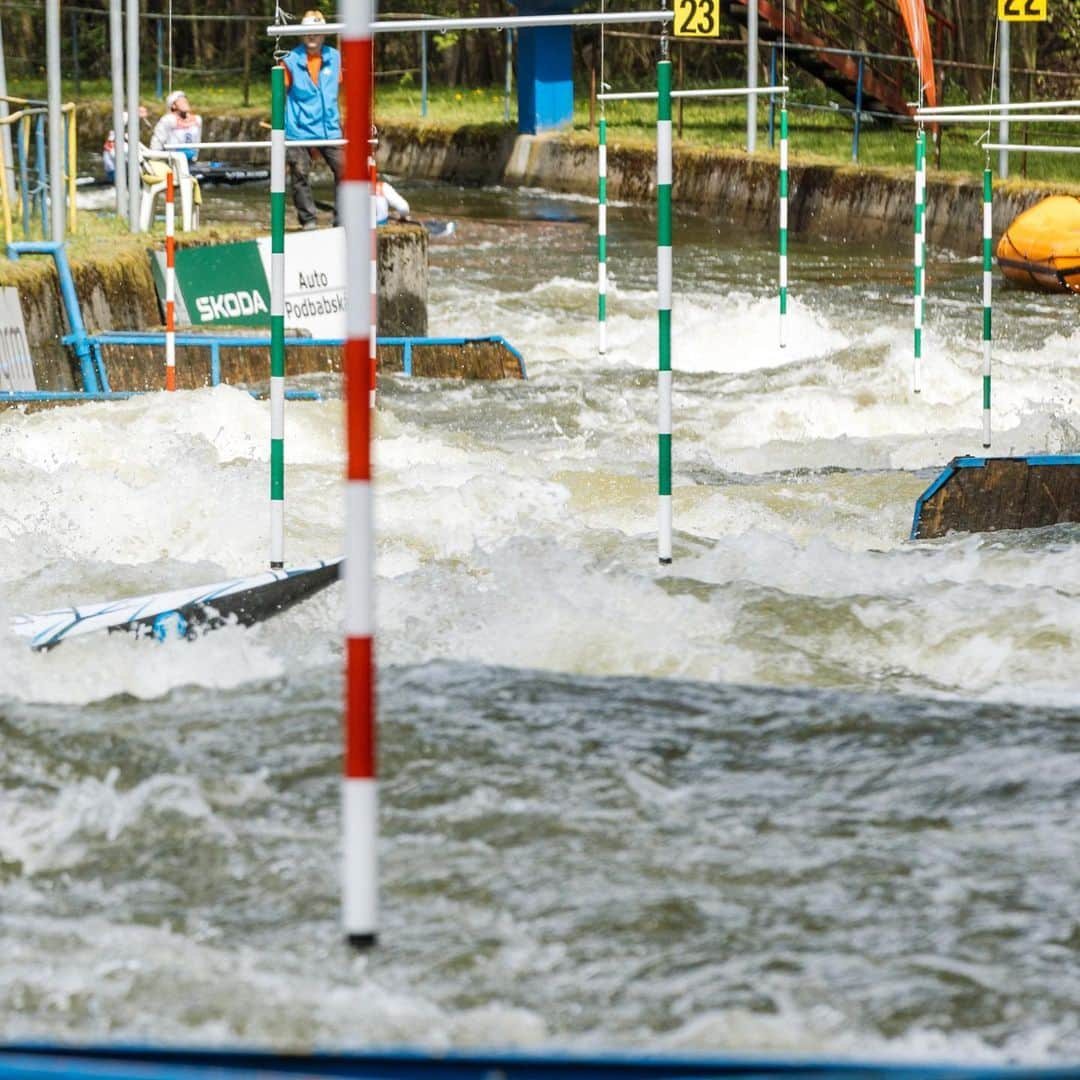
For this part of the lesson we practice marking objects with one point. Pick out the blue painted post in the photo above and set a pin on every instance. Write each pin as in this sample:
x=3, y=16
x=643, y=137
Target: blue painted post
x=24, y=173
x=158, y=88
x=43, y=171
x=215, y=363
x=858, y=111
x=545, y=70
x=772, y=97
x=423, y=73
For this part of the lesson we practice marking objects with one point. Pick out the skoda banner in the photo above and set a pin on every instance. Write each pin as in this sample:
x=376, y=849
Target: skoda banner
x=229, y=284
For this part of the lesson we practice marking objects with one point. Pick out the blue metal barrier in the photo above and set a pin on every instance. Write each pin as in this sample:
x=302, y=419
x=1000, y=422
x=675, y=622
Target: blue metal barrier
x=29, y=397
x=78, y=336
x=215, y=343
x=407, y=344
x=30, y=1061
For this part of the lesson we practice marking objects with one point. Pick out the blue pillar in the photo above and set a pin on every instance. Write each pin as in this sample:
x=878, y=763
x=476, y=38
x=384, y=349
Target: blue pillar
x=545, y=70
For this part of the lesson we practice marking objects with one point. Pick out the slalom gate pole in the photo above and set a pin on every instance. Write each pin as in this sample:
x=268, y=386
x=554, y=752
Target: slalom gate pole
x=920, y=254
x=374, y=276
x=783, y=224
x=359, y=786
x=277, y=317
x=601, y=236
x=170, y=281
x=988, y=291
x=663, y=298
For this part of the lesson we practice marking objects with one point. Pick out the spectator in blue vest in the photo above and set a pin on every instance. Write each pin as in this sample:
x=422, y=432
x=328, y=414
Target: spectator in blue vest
x=313, y=81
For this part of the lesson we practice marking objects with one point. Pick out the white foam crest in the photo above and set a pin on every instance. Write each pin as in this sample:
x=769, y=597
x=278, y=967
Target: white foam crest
x=562, y=196
x=738, y=332
x=451, y=510
x=182, y=476
x=99, y=666
x=90, y=811
x=820, y=566
x=825, y=1031
x=163, y=983
x=581, y=622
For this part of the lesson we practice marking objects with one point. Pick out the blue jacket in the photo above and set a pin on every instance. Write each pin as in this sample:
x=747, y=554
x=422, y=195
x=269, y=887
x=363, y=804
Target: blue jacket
x=311, y=112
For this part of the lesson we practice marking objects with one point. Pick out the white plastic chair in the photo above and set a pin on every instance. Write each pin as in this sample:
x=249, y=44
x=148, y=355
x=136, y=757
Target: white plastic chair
x=185, y=182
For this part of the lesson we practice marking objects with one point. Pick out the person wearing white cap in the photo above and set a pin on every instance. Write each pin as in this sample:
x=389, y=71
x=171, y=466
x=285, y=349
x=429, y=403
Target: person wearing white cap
x=313, y=78
x=178, y=126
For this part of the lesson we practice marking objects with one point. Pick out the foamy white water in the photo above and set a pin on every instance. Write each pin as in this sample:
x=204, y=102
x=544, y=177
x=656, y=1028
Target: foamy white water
x=812, y=790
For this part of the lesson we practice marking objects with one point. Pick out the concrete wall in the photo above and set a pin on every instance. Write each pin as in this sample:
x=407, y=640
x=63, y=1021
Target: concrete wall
x=838, y=202
x=841, y=202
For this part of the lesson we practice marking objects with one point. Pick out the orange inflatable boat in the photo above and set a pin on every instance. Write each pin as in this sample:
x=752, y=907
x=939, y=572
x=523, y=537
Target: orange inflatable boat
x=1041, y=248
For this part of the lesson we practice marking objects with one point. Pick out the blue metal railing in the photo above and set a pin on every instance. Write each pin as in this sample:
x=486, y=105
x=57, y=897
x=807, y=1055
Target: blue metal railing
x=216, y=342
x=858, y=113
x=78, y=336
x=94, y=373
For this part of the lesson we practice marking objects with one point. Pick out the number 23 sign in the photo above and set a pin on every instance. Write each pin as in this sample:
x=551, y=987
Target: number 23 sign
x=1022, y=10
x=698, y=18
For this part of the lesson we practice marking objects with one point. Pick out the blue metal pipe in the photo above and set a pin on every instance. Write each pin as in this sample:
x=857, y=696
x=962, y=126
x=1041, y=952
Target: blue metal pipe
x=42, y=1061
x=43, y=171
x=24, y=172
x=80, y=340
x=78, y=336
x=22, y=397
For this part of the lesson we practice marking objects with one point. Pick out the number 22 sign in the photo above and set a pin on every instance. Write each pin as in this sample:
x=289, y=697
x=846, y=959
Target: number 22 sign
x=1022, y=10
x=698, y=18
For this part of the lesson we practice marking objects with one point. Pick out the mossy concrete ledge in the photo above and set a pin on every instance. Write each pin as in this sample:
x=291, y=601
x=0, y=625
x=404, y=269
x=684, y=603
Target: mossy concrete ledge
x=843, y=203
x=116, y=292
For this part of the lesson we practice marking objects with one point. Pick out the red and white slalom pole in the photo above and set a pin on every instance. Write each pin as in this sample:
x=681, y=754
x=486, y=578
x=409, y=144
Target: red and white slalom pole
x=372, y=338
x=170, y=282
x=360, y=797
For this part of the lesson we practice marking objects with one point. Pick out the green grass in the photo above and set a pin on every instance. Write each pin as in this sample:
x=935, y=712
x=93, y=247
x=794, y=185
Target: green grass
x=97, y=232
x=818, y=135
x=215, y=95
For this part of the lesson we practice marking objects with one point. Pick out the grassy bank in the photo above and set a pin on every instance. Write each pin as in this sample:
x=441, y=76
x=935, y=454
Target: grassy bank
x=97, y=232
x=818, y=132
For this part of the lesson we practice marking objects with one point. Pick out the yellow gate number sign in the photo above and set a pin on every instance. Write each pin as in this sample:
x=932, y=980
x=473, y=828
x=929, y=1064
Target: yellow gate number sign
x=699, y=18
x=1022, y=10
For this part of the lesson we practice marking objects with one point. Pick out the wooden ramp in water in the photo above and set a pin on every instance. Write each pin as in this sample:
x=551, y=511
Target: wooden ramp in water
x=989, y=494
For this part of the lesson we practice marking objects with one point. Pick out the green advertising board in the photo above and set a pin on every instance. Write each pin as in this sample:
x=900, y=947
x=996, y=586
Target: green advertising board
x=219, y=285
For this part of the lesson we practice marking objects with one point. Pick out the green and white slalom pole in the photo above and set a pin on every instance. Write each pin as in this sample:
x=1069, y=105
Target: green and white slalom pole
x=663, y=291
x=277, y=317
x=783, y=223
x=601, y=237
x=988, y=292
x=920, y=254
